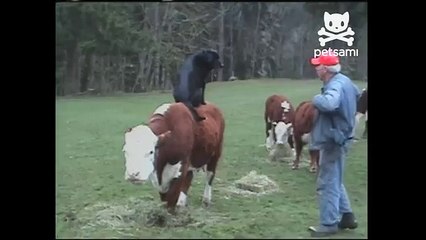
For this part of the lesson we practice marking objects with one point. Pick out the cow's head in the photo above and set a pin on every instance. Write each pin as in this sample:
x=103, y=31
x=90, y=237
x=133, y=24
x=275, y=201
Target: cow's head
x=140, y=146
x=282, y=131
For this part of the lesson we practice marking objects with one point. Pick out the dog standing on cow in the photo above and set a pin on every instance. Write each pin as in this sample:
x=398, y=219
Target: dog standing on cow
x=171, y=147
x=192, y=80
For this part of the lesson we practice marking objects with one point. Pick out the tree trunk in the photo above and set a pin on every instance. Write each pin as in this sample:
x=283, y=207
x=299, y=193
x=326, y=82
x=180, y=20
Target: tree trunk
x=60, y=88
x=80, y=60
x=149, y=73
x=72, y=83
x=231, y=43
x=362, y=45
x=147, y=80
x=122, y=71
x=163, y=78
x=107, y=74
x=255, y=39
x=221, y=40
x=102, y=75
x=113, y=73
x=154, y=84
x=141, y=73
x=91, y=78
x=86, y=70
x=169, y=72
x=301, y=54
x=167, y=80
x=278, y=55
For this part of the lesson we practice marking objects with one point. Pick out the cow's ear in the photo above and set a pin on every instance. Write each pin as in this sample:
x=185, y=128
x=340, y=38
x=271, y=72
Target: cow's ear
x=274, y=123
x=162, y=138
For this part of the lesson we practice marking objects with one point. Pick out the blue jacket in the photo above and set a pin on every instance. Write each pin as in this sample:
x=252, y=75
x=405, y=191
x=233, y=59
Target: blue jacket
x=337, y=102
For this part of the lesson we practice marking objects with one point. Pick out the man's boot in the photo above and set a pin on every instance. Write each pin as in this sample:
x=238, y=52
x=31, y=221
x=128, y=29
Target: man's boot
x=348, y=221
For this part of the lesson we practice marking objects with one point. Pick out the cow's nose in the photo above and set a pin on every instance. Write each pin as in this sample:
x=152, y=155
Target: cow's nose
x=280, y=142
x=132, y=176
x=221, y=65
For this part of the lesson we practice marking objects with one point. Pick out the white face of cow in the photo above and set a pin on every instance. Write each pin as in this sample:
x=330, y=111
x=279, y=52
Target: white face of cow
x=139, y=152
x=282, y=131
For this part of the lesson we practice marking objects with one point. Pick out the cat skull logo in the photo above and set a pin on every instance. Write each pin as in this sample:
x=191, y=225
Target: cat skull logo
x=335, y=26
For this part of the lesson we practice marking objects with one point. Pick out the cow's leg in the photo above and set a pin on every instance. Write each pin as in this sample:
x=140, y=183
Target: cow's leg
x=290, y=141
x=163, y=197
x=269, y=142
x=175, y=195
x=298, y=146
x=186, y=184
x=357, y=118
x=314, y=154
x=207, y=196
x=317, y=158
x=268, y=126
x=210, y=173
x=364, y=134
x=271, y=146
x=182, y=199
x=268, y=134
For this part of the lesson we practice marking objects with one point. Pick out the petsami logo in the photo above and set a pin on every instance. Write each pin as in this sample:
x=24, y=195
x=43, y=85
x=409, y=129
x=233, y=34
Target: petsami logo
x=336, y=27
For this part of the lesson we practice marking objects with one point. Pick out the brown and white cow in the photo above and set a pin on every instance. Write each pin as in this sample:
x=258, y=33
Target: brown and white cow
x=278, y=116
x=171, y=147
x=362, y=110
x=304, y=118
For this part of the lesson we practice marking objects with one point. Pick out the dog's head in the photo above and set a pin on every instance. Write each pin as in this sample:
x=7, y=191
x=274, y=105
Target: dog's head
x=210, y=59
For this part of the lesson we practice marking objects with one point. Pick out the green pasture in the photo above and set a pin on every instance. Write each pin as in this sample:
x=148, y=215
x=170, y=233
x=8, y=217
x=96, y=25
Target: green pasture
x=90, y=170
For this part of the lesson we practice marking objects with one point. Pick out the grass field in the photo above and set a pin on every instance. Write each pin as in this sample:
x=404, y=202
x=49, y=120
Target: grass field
x=90, y=169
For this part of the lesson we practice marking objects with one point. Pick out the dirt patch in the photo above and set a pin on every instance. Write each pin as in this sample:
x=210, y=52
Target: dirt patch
x=253, y=185
x=123, y=218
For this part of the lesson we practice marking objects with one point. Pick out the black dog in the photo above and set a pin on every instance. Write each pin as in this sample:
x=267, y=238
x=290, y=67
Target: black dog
x=192, y=80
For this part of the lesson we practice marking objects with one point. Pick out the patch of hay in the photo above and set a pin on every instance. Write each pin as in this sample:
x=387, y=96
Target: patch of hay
x=116, y=217
x=254, y=184
x=123, y=218
x=160, y=217
x=184, y=217
x=285, y=155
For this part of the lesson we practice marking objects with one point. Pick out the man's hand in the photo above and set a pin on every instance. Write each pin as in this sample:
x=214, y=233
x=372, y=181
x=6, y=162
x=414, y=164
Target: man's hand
x=328, y=101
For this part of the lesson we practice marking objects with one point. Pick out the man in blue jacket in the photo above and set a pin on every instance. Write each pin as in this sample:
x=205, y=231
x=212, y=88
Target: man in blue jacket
x=332, y=134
